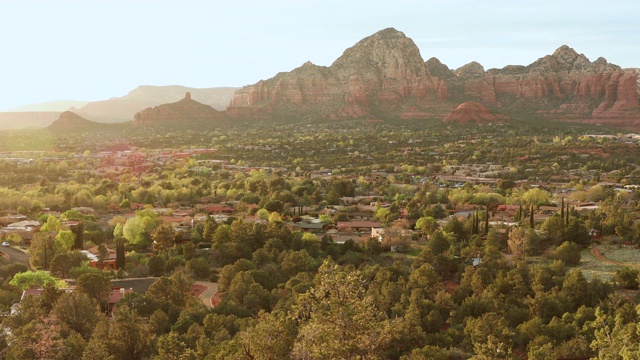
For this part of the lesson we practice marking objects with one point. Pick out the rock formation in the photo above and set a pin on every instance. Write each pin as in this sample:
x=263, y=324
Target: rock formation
x=475, y=112
x=384, y=75
x=71, y=122
x=186, y=112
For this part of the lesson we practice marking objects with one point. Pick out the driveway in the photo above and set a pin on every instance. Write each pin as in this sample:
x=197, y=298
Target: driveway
x=207, y=295
x=17, y=256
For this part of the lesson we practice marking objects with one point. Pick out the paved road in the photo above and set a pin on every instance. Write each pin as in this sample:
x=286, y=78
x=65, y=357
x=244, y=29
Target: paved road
x=17, y=256
x=212, y=289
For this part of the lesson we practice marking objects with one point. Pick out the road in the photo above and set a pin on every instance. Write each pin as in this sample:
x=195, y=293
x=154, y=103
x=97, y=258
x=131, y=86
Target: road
x=17, y=256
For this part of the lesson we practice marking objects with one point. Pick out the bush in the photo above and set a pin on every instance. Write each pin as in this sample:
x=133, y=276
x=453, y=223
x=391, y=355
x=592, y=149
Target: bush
x=627, y=278
x=569, y=253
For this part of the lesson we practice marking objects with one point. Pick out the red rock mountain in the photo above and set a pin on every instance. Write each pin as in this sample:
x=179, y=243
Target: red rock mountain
x=475, y=112
x=186, y=112
x=384, y=75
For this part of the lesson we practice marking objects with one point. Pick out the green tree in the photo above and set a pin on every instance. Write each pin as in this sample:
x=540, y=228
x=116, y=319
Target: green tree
x=30, y=279
x=427, y=224
x=80, y=312
x=271, y=338
x=96, y=286
x=129, y=335
x=569, y=253
x=330, y=308
x=164, y=237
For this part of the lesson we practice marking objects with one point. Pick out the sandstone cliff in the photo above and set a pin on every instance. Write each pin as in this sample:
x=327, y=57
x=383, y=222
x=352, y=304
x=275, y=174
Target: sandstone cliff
x=186, y=112
x=381, y=75
x=384, y=75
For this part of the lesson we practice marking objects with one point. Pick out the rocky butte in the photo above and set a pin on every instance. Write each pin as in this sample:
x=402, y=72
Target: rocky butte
x=384, y=76
x=186, y=112
x=475, y=112
x=72, y=122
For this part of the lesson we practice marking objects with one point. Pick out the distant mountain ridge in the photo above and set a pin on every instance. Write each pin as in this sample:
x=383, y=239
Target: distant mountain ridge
x=49, y=106
x=114, y=110
x=23, y=120
x=384, y=75
x=123, y=108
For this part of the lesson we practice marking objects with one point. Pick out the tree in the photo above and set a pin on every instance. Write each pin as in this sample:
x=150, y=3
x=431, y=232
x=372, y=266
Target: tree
x=96, y=286
x=31, y=279
x=156, y=265
x=627, y=278
x=129, y=335
x=569, y=253
x=427, y=224
x=171, y=347
x=164, y=237
x=536, y=197
x=523, y=241
x=79, y=311
x=62, y=263
x=78, y=231
x=120, y=254
x=491, y=336
x=42, y=250
x=175, y=289
x=438, y=243
x=271, y=338
x=329, y=308
x=137, y=229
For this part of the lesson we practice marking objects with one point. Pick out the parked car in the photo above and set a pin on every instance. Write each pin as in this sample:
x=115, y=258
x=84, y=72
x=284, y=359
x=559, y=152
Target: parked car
x=5, y=244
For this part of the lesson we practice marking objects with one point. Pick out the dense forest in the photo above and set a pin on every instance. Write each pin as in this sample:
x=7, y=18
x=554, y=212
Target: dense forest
x=446, y=279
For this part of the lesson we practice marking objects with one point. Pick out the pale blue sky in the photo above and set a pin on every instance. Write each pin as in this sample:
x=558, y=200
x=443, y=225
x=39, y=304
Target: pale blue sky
x=94, y=50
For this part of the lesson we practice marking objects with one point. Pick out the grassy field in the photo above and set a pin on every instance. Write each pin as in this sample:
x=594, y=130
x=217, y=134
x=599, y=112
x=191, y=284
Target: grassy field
x=592, y=266
x=621, y=253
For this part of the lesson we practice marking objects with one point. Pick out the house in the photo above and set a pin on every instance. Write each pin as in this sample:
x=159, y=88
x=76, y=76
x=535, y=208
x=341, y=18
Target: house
x=312, y=227
x=109, y=263
x=358, y=226
x=117, y=293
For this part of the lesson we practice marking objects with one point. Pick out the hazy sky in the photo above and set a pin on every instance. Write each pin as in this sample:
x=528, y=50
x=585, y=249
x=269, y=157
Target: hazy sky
x=94, y=50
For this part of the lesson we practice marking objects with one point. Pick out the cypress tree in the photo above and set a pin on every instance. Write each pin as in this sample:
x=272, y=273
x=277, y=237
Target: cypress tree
x=79, y=241
x=486, y=220
x=562, y=210
x=531, y=216
x=120, y=258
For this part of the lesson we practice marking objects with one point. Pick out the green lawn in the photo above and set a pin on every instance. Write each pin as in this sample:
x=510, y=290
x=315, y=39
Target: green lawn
x=591, y=266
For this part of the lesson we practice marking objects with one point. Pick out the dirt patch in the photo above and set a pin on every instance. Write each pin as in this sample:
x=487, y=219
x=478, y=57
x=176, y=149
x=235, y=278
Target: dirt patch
x=196, y=289
x=216, y=299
